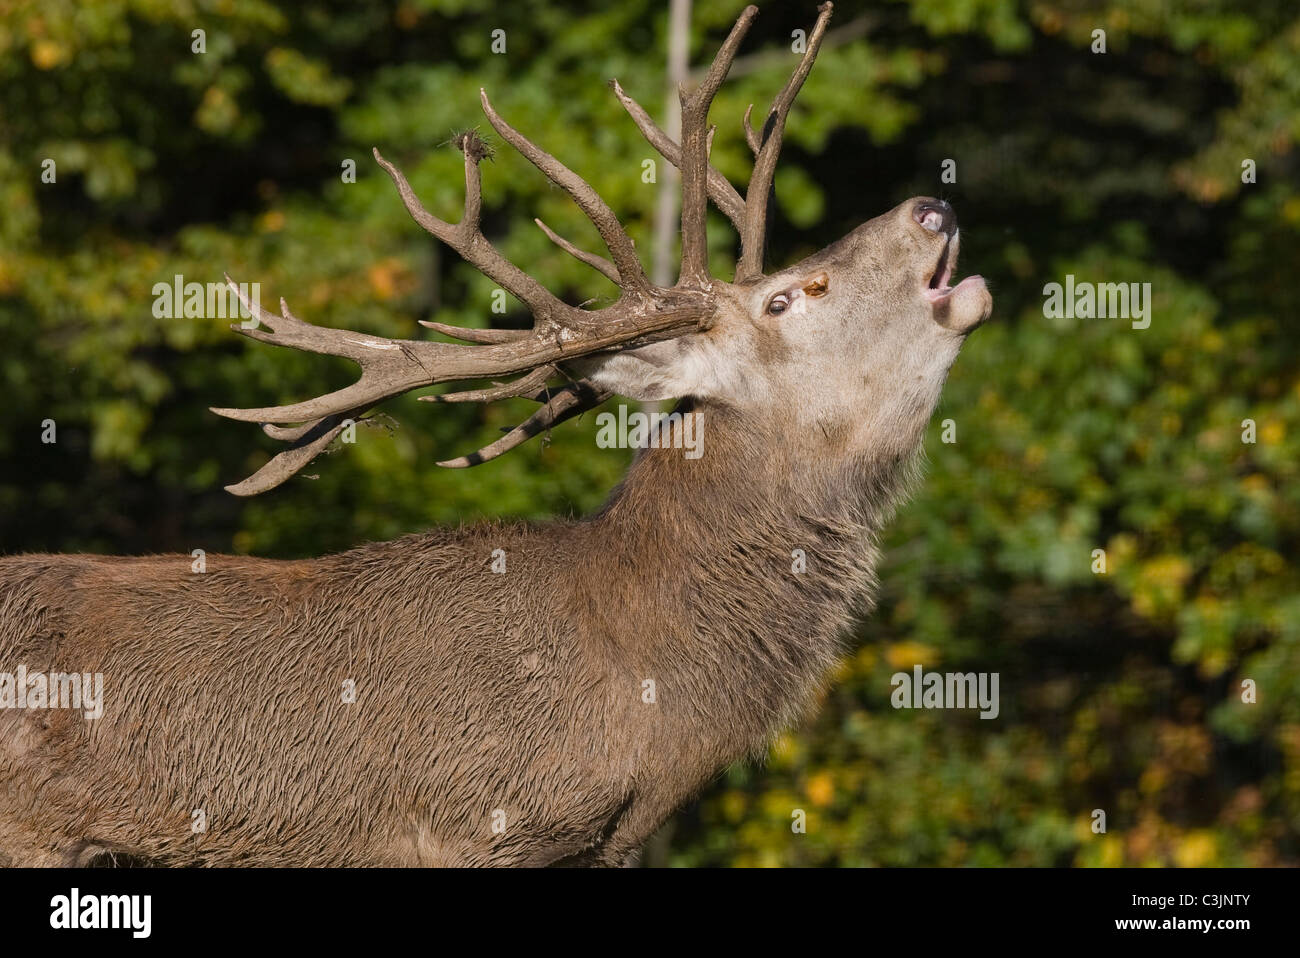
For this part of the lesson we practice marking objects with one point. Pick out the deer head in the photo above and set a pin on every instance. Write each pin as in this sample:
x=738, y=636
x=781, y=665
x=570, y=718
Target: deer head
x=852, y=344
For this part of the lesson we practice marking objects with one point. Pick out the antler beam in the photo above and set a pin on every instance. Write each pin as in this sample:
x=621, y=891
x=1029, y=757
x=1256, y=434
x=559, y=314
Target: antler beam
x=632, y=276
x=695, y=154
x=721, y=191
x=749, y=214
x=753, y=236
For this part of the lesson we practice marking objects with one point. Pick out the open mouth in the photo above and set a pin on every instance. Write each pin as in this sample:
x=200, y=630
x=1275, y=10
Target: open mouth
x=958, y=308
x=943, y=269
x=939, y=287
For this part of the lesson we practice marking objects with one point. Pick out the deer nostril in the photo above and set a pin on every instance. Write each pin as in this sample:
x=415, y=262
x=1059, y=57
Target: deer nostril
x=935, y=216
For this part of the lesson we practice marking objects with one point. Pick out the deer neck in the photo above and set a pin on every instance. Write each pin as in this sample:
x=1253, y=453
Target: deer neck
x=734, y=576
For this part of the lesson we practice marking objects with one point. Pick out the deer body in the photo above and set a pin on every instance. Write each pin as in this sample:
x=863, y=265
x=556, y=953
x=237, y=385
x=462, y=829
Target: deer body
x=559, y=711
x=518, y=693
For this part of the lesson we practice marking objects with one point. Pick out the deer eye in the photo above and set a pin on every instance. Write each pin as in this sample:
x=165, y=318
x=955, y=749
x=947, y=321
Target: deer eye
x=780, y=303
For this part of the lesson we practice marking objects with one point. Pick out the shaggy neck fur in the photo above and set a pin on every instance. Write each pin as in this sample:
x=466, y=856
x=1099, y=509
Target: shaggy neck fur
x=699, y=580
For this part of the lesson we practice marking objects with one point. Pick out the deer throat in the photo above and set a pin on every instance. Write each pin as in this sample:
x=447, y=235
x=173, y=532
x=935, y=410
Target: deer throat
x=734, y=579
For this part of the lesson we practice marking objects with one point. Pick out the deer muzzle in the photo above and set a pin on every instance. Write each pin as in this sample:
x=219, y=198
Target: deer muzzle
x=963, y=307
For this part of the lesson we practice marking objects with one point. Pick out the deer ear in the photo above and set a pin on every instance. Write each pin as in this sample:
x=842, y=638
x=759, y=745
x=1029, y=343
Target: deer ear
x=667, y=370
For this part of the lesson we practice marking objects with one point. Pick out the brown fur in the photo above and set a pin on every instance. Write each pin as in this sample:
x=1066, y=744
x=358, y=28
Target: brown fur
x=477, y=691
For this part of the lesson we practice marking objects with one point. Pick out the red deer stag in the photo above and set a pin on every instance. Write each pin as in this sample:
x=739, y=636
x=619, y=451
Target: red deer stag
x=557, y=713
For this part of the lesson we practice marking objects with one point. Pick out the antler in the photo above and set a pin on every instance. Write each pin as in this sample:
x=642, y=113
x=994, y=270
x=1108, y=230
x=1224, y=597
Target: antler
x=750, y=213
x=561, y=333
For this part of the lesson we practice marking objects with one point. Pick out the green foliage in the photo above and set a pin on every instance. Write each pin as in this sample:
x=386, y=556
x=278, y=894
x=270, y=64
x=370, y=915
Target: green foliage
x=1120, y=691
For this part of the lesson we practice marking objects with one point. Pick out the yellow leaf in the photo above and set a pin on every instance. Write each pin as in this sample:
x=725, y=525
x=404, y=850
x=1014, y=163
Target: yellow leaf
x=820, y=789
x=1196, y=850
x=904, y=655
x=47, y=54
x=272, y=221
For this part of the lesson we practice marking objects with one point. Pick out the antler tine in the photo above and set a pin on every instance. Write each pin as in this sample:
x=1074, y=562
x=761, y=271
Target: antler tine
x=750, y=136
x=467, y=239
x=753, y=235
x=565, y=403
x=591, y=259
x=523, y=386
x=725, y=196
x=632, y=276
x=481, y=336
x=695, y=160
x=308, y=440
x=287, y=329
